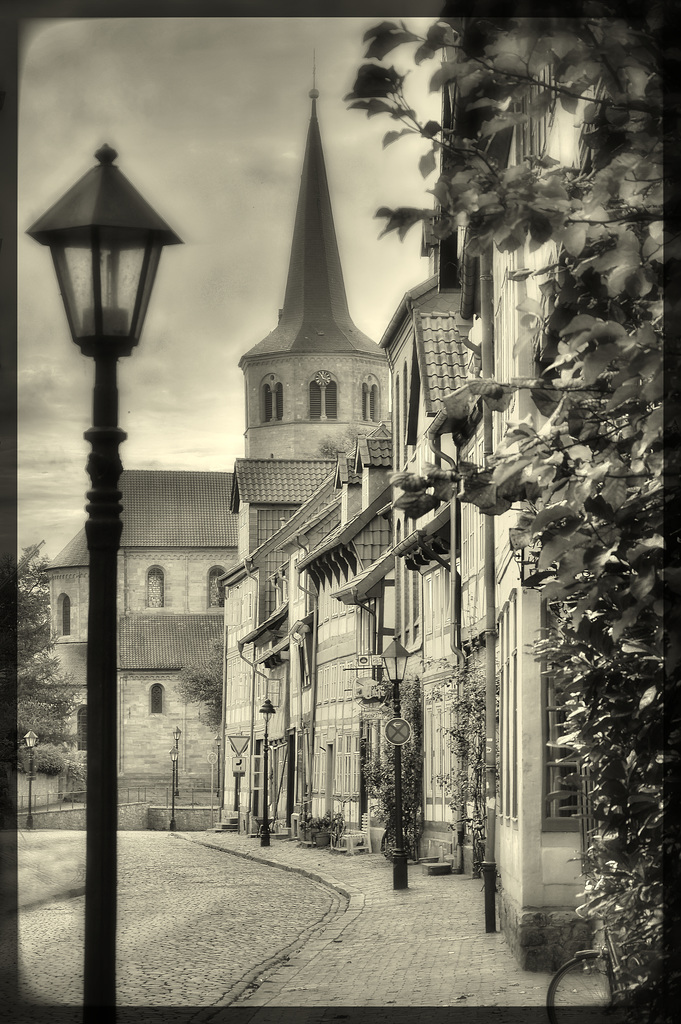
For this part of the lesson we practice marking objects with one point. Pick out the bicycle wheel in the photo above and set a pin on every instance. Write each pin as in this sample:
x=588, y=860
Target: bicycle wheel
x=579, y=991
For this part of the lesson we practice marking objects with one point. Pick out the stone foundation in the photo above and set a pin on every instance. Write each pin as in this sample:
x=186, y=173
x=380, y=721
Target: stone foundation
x=542, y=938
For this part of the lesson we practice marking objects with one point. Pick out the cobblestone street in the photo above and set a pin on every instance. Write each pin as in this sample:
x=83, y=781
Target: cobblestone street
x=191, y=924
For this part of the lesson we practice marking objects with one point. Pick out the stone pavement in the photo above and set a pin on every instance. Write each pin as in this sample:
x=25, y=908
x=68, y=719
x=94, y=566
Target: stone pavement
x=425, y=946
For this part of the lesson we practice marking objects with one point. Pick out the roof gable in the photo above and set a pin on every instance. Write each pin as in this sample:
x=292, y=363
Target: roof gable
x=277, y=481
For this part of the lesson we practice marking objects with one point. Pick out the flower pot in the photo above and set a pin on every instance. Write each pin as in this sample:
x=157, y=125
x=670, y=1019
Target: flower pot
x=322, y=838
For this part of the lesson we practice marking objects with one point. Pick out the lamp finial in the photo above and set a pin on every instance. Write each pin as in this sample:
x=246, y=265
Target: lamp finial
x=106, y=154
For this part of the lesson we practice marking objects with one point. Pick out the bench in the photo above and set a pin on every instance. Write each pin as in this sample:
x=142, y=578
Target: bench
x=353, y=840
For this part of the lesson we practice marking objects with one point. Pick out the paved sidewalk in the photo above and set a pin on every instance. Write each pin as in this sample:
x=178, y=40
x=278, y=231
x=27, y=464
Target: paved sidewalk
x=425, y=946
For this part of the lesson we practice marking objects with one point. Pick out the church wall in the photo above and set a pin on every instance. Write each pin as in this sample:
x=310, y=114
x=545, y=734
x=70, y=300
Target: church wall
x=73, y=583
x=185, y=578
x=145, y=738
x=296, y=435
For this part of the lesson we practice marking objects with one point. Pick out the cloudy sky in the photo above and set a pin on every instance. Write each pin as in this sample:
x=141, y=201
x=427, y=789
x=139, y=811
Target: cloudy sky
x=209, y=117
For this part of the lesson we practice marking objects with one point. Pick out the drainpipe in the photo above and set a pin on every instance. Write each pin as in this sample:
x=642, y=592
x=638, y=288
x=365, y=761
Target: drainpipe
x=489, y=867
x=222, y=753
x=455, y=597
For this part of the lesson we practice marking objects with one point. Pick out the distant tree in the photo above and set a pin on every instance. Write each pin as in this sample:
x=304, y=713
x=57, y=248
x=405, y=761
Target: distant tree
x=201, y=683
x=332, y=444
x=45, y=694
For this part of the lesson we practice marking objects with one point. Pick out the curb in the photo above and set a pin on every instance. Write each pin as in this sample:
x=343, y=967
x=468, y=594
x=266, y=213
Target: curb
x=55, y=897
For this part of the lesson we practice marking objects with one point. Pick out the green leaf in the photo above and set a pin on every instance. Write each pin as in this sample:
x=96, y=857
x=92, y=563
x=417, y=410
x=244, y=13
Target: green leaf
x=428, y=163
x=387, y=41
x=574, y=238
x=391, y=137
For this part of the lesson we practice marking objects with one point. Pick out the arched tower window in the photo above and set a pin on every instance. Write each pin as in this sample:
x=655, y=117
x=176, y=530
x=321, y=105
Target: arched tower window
x=65, y=614
x=271, y=400
x=156, y=699
x=370, y=406
x=81, y=727
x=216, y=595
x=155, y=587
x=323, y=392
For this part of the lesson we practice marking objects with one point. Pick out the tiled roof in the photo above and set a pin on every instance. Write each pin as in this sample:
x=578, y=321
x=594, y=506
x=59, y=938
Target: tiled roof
x=442, y=356
x=74, y=554
x=166, y=641
x=277, y=481
x=376, y=451
x=175, y=508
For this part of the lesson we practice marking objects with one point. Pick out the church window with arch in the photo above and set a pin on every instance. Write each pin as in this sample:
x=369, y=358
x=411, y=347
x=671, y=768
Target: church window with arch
x=155, y=587
x=216, y=594
x=271, y=400
x=370, y=403
x=323, y=392
x=81, y=727
x=64, y=612
x=156, y=695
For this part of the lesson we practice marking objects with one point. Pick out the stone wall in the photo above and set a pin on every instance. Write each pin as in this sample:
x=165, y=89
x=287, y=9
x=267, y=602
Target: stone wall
x=542, y=938
x=187, y=819
x=131, y=818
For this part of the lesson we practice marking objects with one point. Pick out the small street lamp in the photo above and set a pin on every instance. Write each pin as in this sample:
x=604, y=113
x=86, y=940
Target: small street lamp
x=174, y=754
x=267, y=710
x=177, y=732
x=30, y=739
x=106, y=244
x=395, y=658
x=217, y=742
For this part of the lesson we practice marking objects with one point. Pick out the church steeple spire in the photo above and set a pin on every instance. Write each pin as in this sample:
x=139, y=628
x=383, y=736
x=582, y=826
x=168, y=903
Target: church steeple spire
x=315, y=315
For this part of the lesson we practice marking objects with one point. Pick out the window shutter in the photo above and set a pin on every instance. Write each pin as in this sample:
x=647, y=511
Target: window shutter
x=315, y=400
x=266, y=403
x=330, y=403
x=279, y=395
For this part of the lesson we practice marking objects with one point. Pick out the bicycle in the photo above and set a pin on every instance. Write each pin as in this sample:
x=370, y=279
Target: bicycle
x=584, y=989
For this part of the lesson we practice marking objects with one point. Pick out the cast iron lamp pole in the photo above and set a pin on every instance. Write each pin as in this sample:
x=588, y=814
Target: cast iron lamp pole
x=177, y=732
x=30, y=739
x=217, y=742
x=395, y=658
x=174, y=754
x=106, y=243
x=267, y=710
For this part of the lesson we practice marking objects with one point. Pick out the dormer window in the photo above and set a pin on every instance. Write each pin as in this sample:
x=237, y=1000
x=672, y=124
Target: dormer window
x=323, y=396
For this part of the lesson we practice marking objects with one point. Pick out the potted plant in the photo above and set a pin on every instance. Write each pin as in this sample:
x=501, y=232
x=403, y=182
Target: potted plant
x=320, y=829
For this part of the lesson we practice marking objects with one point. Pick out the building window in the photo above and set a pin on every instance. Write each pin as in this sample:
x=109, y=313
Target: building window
x=370, y=410
x=398, y=437
x=155, y=588
x=65, y=602
x=81, y=727
x=404, y=414
x=156, y=699
x=323, y=396
x=272, y=400
x=216, y=594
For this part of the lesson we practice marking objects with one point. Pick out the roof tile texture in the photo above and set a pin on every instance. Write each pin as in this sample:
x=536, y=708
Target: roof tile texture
x=443, y=357
x=279, y=481
x=166, y=641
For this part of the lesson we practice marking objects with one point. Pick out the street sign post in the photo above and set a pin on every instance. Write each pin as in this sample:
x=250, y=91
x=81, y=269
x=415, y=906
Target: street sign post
x=239, y=744
x=397, y=731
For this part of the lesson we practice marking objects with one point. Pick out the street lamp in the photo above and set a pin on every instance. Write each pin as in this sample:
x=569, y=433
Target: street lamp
x=395, y=659
x=267, y=710
x=174, y=754
x=177, y=732
x=106, y=244
x=217, y=742
x=29, y=740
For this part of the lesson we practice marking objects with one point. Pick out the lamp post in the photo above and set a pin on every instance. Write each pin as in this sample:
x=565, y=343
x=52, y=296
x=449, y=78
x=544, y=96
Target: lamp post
x=267, y=710
x=395, y=659
x=106, y=244
x=29, y=740
x=174, y=754
x=217, y=743
x=177, y=732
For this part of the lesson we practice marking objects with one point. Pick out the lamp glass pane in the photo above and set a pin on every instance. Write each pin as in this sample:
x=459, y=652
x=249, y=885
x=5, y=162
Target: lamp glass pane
x=73, y=264
x=121, y=259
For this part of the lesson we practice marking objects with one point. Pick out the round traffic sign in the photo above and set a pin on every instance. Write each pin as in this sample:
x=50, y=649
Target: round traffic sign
x=397, y=731
x=212, y=758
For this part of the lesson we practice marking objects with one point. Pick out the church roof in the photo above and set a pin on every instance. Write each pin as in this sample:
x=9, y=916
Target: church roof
x=166, y=641
x=176, y=508
x=315, y=316
x=167, y=508
x=277, y=481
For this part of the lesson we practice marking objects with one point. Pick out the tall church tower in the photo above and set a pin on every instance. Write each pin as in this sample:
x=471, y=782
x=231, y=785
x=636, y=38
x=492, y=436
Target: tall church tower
x=316, y=376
